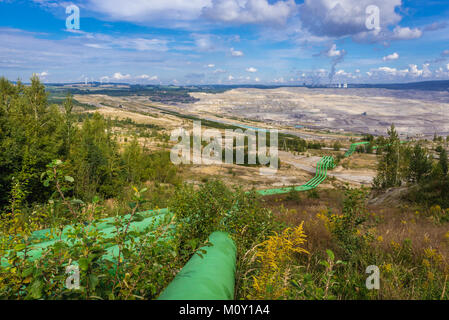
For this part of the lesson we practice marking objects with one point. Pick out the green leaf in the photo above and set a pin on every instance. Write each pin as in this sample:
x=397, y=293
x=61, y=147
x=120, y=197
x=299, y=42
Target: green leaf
x=69, y=179
x=93, y=281
x=138, y=217
x=83, y=263
x=27, y=272
x=77, y=201
x=20, y=247
x=36, y=289
x=330, y=254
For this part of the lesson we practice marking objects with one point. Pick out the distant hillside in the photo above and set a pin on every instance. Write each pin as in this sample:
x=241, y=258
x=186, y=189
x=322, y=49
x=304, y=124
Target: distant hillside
x=442, y=85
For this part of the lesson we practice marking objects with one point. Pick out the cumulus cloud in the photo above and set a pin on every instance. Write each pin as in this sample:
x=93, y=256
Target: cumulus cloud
x=119, y=76
x=393, y=56
x=338, y=18
x=406, y=33
x=43, y=75
x=148, y=11
x=147, y=77
x=250, y=11
x=236, y=53
x=203, y=42
x=333, y=52
x=279, y=80
x=412, y=72
x=251, y=69
x=178, y=13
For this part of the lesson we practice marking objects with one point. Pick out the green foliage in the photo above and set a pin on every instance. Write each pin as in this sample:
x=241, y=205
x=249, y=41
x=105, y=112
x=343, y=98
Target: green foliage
x=337, y=146
x=420, y=164
x=140, y=270
x=293, y=195
x=31, y=137
x=313, y=194
x=213, y=207
x=346, y=227
x=33, y=133
x=443, y=162
x=388, y=167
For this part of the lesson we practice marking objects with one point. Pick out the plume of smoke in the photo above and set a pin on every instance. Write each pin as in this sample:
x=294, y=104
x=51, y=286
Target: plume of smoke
x=335, y=61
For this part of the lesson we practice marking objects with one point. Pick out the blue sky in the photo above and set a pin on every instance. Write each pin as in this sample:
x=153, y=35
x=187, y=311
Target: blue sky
x=226, y=41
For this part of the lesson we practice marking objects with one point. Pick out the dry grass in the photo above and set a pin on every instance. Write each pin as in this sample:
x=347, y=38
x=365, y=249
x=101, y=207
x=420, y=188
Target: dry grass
x=392, y=224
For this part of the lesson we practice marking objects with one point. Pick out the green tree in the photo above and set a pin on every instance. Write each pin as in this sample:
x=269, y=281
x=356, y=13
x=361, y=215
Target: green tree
x=443, y=161
x=420, y=165
x=388, y=168
x=31, y=137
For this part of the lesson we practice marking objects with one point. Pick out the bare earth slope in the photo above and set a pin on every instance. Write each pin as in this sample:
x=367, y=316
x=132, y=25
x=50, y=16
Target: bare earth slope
x=355, y=110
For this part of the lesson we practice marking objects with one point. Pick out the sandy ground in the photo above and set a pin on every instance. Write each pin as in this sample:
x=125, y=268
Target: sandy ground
x=351, y=110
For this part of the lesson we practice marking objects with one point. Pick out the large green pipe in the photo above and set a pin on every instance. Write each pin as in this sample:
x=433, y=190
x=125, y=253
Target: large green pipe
x=210, y=276
x=149, y=223
x=44, y=235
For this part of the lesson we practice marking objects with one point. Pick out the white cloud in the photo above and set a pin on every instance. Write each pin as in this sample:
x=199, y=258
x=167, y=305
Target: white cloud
x=337, y=18
x=250, y=11
x=406, y=33
x=211, y=65
x=217, y=71
x=279, y=80
x=333, y=52
x=236, y=53
x=119, y=76
x=95, y=45
x=103, y=41
x=149, y=11
x=412, y=72
x=147, y=77
x=203, y=42
x=251, y=69
x=393, y=56
x=426, y=71
x=230, y=77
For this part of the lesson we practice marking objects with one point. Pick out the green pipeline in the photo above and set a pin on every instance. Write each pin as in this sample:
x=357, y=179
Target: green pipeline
x=210, y=276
